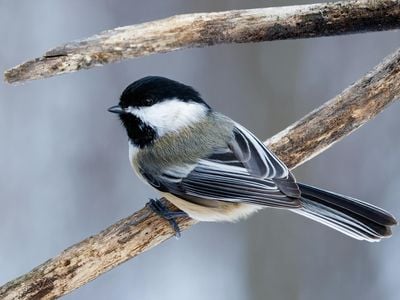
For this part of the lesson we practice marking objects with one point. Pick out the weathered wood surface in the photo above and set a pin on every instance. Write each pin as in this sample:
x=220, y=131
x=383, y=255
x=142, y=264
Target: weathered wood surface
x=340, y=116
x=143, y=230
x=206, y=29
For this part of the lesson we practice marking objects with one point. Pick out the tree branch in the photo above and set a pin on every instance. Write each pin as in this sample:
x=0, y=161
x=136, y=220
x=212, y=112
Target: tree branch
x=206, y=29
x=143, y=230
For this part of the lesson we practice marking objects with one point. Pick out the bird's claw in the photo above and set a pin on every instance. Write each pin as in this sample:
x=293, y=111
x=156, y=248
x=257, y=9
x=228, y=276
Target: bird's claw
x=160, y=209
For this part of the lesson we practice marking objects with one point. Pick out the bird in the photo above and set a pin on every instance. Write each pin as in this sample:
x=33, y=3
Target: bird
x=213, y=169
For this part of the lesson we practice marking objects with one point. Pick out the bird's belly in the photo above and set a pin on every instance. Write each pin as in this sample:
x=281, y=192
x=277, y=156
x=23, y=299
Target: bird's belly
x=212, y=210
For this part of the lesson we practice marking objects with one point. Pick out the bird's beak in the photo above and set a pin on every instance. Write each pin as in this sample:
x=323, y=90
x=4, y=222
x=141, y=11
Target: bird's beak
x=116, y=109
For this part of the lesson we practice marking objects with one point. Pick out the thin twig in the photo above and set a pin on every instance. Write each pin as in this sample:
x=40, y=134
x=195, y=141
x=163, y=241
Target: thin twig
x=143, y=230
x=206, y=29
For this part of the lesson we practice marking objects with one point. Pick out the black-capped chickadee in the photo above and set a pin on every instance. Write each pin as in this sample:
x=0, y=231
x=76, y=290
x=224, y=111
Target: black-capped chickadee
x=214, y=169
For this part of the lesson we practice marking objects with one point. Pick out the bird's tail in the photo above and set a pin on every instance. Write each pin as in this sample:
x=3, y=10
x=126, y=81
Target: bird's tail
x=350, y=216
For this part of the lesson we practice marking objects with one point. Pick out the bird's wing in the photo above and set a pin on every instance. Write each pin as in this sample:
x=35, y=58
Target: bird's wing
x=262, y=162
x=244, y=171
x=255, y=156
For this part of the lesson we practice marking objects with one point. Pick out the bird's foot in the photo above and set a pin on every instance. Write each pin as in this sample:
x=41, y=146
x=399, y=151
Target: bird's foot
x=160, y=209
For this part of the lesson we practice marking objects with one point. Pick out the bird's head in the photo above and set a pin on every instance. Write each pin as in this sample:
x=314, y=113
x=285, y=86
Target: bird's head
x=154, y=106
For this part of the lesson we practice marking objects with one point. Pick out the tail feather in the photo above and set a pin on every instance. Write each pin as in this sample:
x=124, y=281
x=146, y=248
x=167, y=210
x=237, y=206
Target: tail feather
x=350, y=216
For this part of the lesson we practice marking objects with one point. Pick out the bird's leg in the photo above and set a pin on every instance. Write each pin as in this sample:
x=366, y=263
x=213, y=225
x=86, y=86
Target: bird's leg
x=160, y=209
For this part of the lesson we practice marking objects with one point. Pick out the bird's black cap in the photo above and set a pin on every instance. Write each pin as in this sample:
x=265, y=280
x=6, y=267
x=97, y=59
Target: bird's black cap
x=153, y=89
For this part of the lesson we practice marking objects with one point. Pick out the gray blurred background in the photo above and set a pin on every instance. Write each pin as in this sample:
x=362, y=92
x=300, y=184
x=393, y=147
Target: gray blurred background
x=64, y=172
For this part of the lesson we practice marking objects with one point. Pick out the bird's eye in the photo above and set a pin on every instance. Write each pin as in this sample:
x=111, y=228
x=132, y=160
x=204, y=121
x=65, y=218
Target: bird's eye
x=148, y=101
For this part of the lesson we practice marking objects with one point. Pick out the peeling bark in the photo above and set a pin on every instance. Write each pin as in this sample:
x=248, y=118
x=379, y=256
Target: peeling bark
x=207, y=29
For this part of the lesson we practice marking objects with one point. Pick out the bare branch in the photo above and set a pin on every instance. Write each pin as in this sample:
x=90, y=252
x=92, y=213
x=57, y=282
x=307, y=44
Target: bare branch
x=339, y=117
x=206, y=29
x=143, y=230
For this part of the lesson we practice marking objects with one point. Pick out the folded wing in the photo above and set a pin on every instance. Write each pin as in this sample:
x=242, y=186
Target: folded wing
x=244, y=171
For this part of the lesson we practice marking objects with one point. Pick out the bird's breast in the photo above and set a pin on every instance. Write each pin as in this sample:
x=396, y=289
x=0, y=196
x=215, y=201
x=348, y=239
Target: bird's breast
x=133, y=152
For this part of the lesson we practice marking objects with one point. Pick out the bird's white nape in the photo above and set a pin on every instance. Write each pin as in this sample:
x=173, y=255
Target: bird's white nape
x=170, y=115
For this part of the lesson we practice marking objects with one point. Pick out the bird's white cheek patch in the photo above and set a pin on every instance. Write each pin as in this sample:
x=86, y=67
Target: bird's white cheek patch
x=170, y=115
